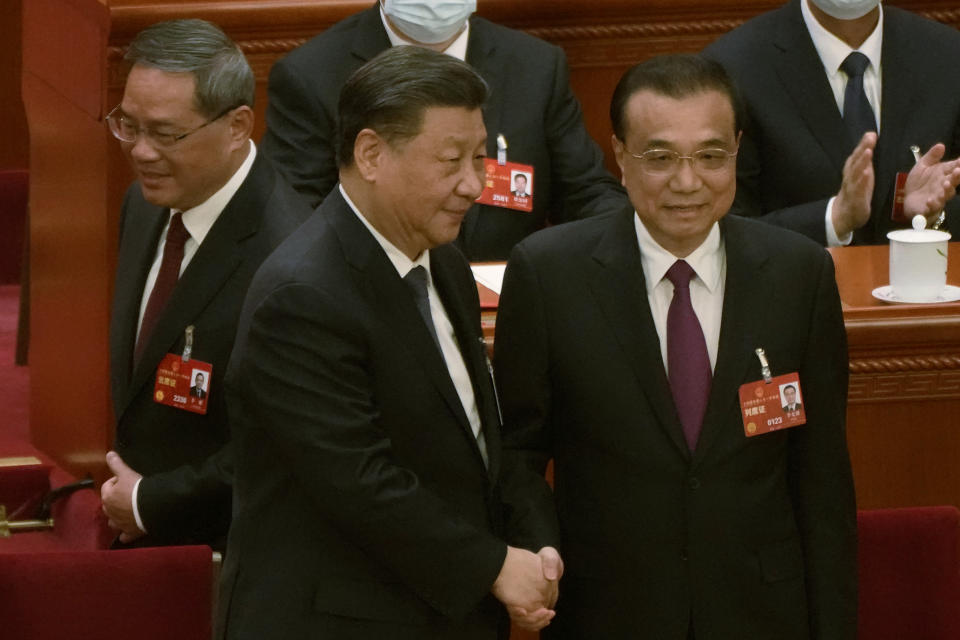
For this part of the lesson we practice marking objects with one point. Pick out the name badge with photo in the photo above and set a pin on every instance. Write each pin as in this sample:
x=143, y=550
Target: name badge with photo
x=183, y=384
x=508, y=185
x=772, y=406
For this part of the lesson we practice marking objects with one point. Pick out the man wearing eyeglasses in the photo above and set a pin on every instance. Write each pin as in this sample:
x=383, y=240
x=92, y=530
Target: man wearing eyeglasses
x=627, y=351
x=204, y=213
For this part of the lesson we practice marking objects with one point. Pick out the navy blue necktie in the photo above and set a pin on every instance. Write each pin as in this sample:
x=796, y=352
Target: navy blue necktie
x=416, y=279
x=687, y=359
x=857, y=114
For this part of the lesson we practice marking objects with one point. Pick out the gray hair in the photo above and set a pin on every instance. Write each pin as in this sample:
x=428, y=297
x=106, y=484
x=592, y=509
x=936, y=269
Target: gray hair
x=223, y=76
x=391, y=92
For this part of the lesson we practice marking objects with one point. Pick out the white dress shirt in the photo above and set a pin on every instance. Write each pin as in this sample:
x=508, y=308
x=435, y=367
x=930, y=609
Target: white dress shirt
x=709, y=261
x=833, y=51
x=198, y=221
x=456, y=366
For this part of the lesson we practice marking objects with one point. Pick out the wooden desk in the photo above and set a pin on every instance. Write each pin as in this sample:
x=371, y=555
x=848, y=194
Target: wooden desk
x=903, y=418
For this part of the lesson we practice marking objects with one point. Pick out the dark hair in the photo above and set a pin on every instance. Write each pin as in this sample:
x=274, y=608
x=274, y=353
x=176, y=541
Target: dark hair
x=789, y=386
x=390, y=93
x=223, y=77
x=675, y=76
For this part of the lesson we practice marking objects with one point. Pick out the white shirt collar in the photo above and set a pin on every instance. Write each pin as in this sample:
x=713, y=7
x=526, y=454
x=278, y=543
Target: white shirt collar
x=706, y=260
x=833, y=51
x=400, y=261
x=200, y=219
x=457, y=48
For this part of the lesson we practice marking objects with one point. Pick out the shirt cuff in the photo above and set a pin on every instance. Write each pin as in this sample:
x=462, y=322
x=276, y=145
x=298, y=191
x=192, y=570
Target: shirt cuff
x=833, y=240
x=136, y=511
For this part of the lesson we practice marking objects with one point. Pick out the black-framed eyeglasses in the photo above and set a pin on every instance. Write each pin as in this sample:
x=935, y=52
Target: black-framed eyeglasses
x=665, y=161
x=126, y=130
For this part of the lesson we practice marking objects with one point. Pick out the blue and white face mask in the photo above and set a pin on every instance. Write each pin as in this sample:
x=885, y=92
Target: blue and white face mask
x=429, y=21
x=846, y=9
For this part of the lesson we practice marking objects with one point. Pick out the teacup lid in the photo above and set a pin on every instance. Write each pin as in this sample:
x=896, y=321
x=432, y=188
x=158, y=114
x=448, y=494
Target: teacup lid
x=918, y=236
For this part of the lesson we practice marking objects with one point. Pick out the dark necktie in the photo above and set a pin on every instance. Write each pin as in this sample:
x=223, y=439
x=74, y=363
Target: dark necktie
x=687, y=359
x=857, y=114
x=167, y=277
x=416, y=279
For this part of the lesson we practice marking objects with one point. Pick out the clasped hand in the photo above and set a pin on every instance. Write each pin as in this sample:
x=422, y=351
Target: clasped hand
x=116, y=494
x=528, y=586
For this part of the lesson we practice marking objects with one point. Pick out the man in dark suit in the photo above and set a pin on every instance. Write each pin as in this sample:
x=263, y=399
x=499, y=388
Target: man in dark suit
x=677, y=516
x=203, y=215
x=368, y=444
x=541, y=120
x=197, y=390
x=790, y=399
x=520, y=186
x=800, y=164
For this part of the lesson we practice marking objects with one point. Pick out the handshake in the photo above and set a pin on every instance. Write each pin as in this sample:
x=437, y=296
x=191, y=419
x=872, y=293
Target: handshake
x=528, y=586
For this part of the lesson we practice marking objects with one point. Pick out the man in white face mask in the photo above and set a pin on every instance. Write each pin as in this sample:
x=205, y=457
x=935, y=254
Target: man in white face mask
x=837, y=92
x=531, y=107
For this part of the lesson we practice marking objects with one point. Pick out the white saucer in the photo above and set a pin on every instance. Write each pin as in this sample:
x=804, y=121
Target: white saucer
x=950, y=293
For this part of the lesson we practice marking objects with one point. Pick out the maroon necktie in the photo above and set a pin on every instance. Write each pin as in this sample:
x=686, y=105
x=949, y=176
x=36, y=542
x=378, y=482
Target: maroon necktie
x=167, y=278
x=687, y=359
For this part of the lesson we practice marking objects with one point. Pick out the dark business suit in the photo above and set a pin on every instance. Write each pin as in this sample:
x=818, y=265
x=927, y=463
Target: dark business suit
x=794, y=143
x=363, y=506
x=744, y=538
x=185, y=494
x=542, y=123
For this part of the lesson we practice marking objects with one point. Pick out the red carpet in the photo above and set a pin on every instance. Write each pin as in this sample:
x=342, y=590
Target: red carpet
x=14, y=381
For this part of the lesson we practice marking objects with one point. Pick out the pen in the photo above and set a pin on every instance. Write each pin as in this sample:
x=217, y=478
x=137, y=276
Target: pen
x=915, y=150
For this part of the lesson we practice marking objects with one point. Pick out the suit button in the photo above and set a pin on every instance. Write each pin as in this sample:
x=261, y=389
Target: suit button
x=693, y=482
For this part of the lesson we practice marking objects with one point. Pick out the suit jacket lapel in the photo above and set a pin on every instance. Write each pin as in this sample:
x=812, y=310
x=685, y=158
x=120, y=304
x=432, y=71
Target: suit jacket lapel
x=466, y=326
x=137, y=250
x=802, y=76
x=738, y=329
x=616, y=279
x=216, y=258
x=390, y=297
x=482, y=55
x=899, y=91
x=370, y=38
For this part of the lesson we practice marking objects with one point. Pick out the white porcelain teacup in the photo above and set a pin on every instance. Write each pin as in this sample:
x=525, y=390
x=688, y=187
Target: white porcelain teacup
x=918, y=264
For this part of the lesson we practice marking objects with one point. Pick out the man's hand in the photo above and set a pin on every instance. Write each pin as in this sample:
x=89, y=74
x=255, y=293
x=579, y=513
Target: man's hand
x=527, y=585
x=116, y=494
x=552, y=568
x=930, y=184
x=851, y=207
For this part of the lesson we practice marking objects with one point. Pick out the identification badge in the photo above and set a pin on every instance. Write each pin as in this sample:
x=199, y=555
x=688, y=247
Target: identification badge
x=508, y=185
x=183, y=383
x=771, y=406
x=899, y=193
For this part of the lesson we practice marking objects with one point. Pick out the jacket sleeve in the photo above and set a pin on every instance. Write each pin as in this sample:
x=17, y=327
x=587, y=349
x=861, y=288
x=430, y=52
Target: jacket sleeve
x=299, y=139
x=522, y=373
x=577, y=163
x=819, y=473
